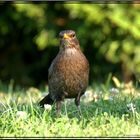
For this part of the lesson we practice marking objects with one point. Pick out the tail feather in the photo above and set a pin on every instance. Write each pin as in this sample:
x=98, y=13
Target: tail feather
x=46, y=100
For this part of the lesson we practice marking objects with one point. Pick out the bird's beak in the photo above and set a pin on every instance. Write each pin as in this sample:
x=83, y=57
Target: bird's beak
x=66, y=36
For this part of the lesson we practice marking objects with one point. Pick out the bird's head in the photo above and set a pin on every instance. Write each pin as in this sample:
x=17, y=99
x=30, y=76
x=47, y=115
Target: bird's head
x=68, y=39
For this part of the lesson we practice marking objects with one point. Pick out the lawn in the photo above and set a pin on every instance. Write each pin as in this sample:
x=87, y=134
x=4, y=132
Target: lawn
x=107, y=111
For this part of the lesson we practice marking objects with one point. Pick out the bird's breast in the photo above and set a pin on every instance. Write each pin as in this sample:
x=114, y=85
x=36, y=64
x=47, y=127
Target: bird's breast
x=69, y=72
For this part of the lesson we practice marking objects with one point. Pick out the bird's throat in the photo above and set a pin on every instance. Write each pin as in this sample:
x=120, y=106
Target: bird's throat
x=70, y=51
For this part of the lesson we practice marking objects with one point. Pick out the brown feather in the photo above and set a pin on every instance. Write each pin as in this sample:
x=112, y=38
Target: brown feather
x=69, y=72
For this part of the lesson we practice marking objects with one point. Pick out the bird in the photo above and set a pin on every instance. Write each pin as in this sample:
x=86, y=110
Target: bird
x=68, y=74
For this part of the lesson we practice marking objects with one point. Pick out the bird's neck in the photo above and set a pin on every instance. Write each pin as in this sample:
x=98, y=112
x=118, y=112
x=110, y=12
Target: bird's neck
x=70, y=50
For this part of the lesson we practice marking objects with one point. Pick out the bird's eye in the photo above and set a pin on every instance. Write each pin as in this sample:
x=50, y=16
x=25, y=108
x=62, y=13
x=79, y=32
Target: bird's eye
x=73, y=35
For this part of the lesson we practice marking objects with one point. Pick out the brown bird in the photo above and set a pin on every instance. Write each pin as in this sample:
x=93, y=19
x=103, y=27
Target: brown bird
x=69, y=72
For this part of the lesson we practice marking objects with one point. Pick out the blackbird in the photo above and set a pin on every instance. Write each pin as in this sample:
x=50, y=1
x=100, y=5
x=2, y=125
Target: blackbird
x=68, y=74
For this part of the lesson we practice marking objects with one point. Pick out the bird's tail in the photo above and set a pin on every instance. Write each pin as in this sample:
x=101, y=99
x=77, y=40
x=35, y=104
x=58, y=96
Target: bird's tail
x=46, y=100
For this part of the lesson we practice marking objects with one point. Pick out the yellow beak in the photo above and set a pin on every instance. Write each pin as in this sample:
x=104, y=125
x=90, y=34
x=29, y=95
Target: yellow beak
x=66, y=36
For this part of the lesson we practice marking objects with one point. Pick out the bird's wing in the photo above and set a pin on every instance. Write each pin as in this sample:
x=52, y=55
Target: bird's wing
x=50, y=71
x=52, y=68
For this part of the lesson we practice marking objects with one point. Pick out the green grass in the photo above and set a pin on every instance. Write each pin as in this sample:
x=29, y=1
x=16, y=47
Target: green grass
x=104, y=115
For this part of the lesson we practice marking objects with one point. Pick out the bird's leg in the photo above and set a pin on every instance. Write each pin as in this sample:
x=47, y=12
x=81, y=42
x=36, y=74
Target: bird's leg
x=77, y=102
x=58, y=107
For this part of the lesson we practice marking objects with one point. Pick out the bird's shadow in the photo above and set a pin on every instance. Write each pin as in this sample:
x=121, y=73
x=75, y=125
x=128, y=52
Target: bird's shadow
x=116, y=107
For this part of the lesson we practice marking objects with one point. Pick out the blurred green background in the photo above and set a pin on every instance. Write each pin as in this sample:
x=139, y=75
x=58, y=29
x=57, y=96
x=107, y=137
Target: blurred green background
x=109, y=36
